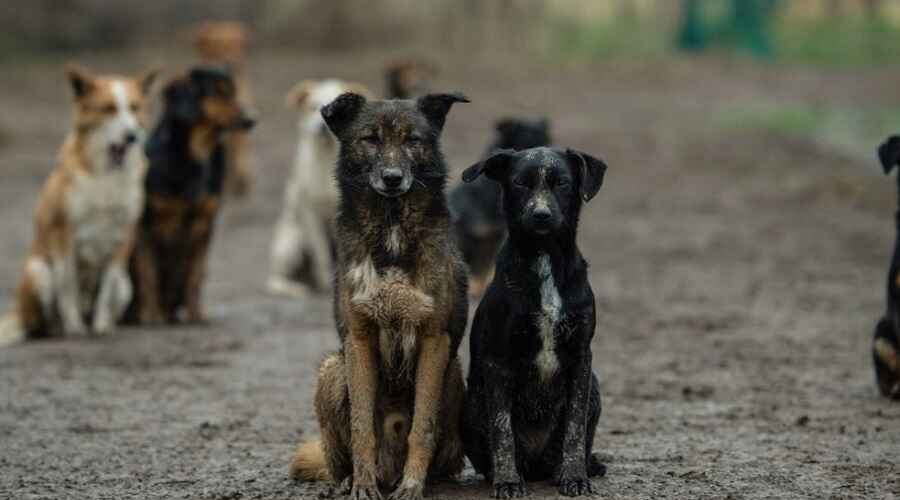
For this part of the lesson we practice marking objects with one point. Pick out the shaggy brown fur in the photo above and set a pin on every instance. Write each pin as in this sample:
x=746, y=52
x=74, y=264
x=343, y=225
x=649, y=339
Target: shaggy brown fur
x=388, y=403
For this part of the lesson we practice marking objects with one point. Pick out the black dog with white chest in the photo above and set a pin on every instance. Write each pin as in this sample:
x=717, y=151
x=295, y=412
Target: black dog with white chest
x=533, y=401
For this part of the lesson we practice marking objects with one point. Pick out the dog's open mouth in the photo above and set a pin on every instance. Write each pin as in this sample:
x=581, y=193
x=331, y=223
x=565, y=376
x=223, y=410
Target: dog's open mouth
x=117, y=154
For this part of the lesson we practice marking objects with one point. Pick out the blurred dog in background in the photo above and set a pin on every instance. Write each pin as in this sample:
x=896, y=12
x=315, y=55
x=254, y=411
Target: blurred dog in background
x=478, y=221
x=886, y=343
x=188, y=157
x=303, y=246
x=84, y=226
x=225, y=44
x=409, y=78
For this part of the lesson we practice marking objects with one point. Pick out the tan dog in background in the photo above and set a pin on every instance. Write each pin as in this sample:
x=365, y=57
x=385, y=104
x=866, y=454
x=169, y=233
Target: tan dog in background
x=303, y=245
x=76, y=273
x=225, y=43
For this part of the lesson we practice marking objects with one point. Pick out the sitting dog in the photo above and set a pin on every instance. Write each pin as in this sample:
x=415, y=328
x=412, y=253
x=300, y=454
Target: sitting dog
x=76, y=272
x=303, y=246
x=409, y=78
x=225, y=44
x=187, y=158
x=533, y=401
x=388, y=403
x=886, y=344
x=478, y=223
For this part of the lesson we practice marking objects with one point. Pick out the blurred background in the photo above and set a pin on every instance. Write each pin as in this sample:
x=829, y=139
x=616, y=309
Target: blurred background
x=738, y=248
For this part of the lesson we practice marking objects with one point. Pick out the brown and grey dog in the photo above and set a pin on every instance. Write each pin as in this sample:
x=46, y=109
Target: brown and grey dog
x=76, y=272
x=188, y=159
x=224, y=43
x=388, y=402
x=409, y=78
x=303, y=245
x=886, y=341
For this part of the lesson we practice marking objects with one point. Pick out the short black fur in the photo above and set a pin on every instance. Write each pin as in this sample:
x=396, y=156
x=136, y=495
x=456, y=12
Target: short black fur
x=533, y=402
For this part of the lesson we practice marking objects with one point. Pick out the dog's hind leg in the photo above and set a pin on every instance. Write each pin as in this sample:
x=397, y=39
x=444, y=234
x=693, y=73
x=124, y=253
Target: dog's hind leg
x=886, y=356
x=595, y=467
x=145, y=277
x=36, y=297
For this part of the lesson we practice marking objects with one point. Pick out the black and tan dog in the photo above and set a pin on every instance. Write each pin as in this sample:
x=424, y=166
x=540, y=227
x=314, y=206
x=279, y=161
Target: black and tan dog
x=886, y=344
x=388, y=403
x=408, y=78
x=187, y=161
x=478, y=222
x=533, y=401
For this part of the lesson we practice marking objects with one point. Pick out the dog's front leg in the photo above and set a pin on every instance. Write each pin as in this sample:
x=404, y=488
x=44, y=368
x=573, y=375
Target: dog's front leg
x=434, y=355
x=65, y=276
x=508, y=483
x=115, y=289
x=362, y=378
x=147, y=282
x=573, y=478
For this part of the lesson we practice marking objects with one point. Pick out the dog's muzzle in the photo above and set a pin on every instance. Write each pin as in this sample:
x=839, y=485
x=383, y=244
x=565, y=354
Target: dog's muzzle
x=391, y=182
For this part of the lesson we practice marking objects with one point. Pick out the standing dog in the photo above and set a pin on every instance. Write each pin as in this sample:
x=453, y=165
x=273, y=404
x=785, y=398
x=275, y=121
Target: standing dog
x=886, y=344
x=184, y=185
x=225, y=44
x=533, y=401
x=388, y=403
x=409, y=78
x=478, y=222
x=76, y=272
x=303, y=246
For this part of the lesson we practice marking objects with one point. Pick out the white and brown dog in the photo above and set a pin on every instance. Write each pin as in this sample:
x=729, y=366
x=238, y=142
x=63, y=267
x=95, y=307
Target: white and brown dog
x=303, y=246
x=76, y=273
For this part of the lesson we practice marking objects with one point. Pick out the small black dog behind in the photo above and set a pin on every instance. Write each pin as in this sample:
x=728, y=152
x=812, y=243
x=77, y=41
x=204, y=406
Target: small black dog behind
x=886, y=344
x=533, y=402
x=478, y=223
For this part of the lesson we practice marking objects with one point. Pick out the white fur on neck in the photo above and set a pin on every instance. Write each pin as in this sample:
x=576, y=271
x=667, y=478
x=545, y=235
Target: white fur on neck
x=547, y=319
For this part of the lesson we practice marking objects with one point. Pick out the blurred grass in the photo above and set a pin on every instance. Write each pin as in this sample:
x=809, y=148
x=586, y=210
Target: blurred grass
x=852, y=130
x=845, y=41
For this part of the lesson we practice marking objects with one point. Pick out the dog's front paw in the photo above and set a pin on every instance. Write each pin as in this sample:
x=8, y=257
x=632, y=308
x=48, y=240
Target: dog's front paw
x=365, y=492
x=409, y=489
x=575, y=486
x=515, y=489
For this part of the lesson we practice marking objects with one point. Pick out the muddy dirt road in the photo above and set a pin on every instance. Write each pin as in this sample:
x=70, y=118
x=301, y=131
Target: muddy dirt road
x=739, y=273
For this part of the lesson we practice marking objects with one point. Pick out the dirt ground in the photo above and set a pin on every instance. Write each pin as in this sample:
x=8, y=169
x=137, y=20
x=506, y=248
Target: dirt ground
x=739, y=275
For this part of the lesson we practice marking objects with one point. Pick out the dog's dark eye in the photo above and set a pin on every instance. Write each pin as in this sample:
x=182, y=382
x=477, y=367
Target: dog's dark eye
x=134, y=107
x=414, y=140
x=562, y=183
x=519, y=181
x=109, y=109
x=371, y=139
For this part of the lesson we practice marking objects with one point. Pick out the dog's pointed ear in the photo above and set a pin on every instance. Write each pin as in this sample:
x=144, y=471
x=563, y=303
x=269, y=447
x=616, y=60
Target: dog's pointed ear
x=494, y=166
x=591, y=171
x=147, y=79
x=299, y=93
x=341, y=111
x=80, y=79
x=889, y=153
x=436, y=106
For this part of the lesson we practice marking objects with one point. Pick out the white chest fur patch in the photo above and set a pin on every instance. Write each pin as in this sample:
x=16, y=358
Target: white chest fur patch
x=394, y=241
x=547, y=319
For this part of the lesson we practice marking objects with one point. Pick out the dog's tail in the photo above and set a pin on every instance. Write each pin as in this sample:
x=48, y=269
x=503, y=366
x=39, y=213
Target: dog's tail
x=11, y=329
x=309, y=462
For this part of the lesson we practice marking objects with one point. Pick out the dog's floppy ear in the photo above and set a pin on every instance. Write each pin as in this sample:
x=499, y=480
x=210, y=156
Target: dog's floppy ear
x=181, y=100
x=341, y=111
x=436, y=106
x=591, y=171
x=889, y=153
x=80, y=79
x=299, y=93
x=494, y=166
x=147, y=79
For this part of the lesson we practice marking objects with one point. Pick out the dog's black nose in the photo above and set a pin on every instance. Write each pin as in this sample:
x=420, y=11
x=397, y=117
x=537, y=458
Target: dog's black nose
x=392, y=177
x=130, y=138
x=541, y=214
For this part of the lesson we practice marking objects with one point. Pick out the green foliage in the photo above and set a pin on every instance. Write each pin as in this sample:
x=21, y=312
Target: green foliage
x=845, y=41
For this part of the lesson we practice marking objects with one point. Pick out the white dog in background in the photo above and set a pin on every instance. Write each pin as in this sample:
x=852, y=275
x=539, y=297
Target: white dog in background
x=303, y=247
